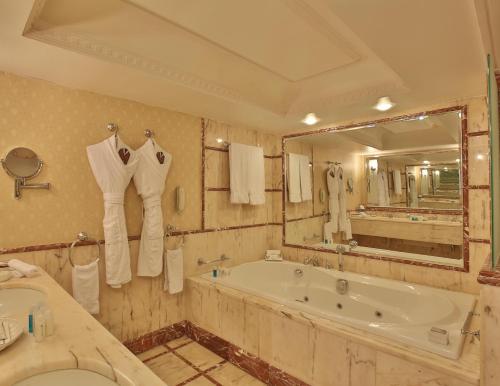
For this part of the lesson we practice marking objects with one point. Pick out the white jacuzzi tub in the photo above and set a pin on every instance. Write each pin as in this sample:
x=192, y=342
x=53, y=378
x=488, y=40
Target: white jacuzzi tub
x=393, y=309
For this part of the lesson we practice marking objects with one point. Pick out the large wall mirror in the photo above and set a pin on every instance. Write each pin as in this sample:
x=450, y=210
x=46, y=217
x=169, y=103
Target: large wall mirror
x=389, y=189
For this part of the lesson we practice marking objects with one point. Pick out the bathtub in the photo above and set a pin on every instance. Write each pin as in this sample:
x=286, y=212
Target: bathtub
x=393, y=309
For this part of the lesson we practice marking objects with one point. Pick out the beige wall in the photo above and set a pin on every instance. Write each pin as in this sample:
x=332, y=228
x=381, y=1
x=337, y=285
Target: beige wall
x=58, y=123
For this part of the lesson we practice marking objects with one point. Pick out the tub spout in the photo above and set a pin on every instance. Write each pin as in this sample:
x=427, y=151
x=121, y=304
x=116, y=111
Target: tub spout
x=340, y=251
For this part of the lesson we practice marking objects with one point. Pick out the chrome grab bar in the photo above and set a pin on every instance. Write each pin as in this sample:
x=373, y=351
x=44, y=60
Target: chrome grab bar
x=222, y=258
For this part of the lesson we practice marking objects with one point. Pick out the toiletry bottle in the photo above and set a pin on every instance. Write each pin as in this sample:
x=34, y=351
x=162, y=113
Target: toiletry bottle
x=49, y=321
x=31, y=320
x=39, y=324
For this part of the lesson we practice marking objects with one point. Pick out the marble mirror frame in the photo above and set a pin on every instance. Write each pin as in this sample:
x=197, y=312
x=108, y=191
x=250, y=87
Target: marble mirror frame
x=463, y=148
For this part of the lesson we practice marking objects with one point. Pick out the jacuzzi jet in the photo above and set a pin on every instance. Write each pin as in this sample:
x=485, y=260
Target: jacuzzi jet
x=339, y=306
x=306, y=299
x=378, y=314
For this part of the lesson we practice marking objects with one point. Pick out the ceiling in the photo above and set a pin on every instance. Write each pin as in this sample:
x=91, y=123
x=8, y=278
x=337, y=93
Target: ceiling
x=260, y=63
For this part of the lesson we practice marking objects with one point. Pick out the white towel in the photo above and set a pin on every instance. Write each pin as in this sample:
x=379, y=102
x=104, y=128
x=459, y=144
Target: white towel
x=294, y=187
x=396, y=176
x=299, y=178
x=305, y=178
x=174, y=271
x=383, y=189
x=328, y=231
x=24, y=269
x=256, y=175
x=86, y=286
x=246, y=174
x=332, y=181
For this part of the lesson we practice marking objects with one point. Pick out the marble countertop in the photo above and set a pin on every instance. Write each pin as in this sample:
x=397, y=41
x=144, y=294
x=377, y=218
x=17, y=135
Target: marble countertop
x=407, y=220
x=79, y=341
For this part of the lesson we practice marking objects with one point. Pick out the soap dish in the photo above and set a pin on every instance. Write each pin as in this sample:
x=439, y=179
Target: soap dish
x=10, y=331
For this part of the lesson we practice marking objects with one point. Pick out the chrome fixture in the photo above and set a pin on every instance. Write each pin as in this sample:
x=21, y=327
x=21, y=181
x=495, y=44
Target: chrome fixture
x=149, y=133
x=82, y=237
x=222, y=258
x=23, y=164
x=474, y=333
x=113, y=127
x=298, y=272
x=352, y=244
x=342, y=286
x=340, y=249
x=314, y=261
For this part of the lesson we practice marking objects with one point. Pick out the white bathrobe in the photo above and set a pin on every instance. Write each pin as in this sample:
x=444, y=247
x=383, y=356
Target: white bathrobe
x=383, y=189
x=344, y=221
x=149, y=179
x=332, y=182
x=396, y=175
x=113, y=176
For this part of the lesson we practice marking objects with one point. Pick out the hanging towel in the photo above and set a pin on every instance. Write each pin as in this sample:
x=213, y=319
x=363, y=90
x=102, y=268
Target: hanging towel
x=299, y=178
x=333, y=198
x=86, y=286
x=149, y=179
x=424, y=182
x=256, y=176
x=174, y=271
x=412, y=187
x=382, y=189
x=396, y=176
x=113, y=164
x=22, y=268
x=294, y=186
x=328, y=232
x=305, y=178
x=246, y=174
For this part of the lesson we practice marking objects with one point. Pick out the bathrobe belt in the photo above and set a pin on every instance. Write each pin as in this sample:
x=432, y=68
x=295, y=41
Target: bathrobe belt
x=152, y=201
x=114, y=198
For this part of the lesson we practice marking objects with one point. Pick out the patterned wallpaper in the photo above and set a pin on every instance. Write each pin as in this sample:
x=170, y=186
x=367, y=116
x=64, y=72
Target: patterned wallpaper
x=58, y=123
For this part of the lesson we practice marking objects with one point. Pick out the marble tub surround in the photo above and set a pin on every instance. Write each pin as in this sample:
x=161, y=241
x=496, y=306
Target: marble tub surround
x=264, y=329
x=79, y=341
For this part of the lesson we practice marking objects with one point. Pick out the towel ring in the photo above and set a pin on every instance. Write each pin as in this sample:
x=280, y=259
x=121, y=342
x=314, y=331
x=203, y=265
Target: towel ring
x=83, y=236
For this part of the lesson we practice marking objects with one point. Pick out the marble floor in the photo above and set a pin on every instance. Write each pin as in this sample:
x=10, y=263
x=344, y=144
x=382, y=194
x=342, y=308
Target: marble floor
x=185, y=362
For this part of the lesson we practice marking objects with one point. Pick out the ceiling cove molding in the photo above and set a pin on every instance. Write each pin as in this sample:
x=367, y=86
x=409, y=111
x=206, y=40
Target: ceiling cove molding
x=349, y=98
x=41, y=31
x=315, y=21
x=34, y=15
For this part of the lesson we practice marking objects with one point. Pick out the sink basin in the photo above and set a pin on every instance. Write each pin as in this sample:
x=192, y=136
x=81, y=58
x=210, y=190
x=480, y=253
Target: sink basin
x=77, y=377
x=18, y=301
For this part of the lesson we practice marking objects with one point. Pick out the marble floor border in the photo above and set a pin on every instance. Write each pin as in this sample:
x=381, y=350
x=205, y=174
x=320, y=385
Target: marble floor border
x=253, y=365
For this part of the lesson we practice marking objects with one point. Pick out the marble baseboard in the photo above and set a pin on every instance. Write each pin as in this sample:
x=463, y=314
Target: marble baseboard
x=252, y=364
x=156, y=338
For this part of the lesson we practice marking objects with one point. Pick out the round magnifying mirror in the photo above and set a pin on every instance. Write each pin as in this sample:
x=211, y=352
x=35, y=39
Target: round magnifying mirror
x=22, y=162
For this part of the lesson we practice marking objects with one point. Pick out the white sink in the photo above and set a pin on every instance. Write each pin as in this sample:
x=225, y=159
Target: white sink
x=75, y=377
x=18, y=301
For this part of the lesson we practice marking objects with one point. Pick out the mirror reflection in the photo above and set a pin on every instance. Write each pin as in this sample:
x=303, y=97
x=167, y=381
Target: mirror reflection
x=392, y=187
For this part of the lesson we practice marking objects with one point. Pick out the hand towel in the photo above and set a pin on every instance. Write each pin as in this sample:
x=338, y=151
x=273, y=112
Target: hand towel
x=328, y=231
x=256, y=176
x=294, y=188
x=86, y=286
x=305, y=178
x=24, y=269
x=246, y=174
x=383, y=189
x=396, y=176
x=174, y=271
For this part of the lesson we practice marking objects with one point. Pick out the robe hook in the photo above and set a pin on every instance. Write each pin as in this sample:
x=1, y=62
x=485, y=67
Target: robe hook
x=113, y=127
x=149, y=133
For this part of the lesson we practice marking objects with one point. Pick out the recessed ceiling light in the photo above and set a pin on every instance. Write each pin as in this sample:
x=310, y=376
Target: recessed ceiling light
x=310, y=119
x=480, y=157
x=457, y=160
x=422, y=117
x=219, y=140
x=384, y=104
x=426, y=162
